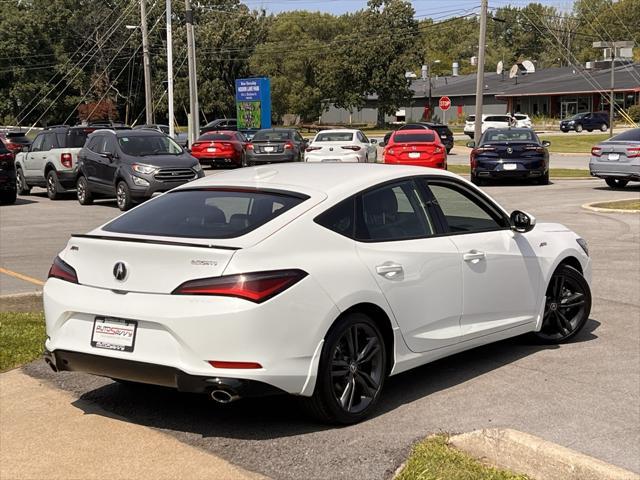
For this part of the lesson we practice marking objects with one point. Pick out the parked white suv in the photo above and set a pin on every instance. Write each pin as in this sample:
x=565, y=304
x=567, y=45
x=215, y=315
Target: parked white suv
x=488, y=121
x=50, y=162
x=522, y=120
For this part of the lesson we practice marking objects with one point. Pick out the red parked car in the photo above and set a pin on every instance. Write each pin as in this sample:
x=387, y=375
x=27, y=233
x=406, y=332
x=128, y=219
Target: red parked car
x=422, y=148
x=226, y=148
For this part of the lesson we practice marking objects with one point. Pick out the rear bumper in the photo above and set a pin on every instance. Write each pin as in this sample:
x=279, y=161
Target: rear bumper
x=220, y=161
x=328, y=157
x=288, y=156
x=67, y=179
x=627, y=170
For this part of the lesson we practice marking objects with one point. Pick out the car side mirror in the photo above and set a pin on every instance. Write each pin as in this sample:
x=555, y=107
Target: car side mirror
x=382, y=144
x=374, y=141
x=522, y=222
x=546, y=143
x=471, y=144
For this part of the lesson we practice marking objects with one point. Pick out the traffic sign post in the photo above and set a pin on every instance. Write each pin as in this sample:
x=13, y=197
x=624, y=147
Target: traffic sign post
x=445, y=104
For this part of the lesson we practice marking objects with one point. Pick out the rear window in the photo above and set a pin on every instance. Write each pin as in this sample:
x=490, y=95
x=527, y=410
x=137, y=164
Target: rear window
x=77, y=136
x=509, y=136
x=629, y=136
x=211, y=213
x=471, y=118
x=18, y=137
x=334, y=137
x=216, y=136
x=413, y=137
x=272, y=135
x=498, y=118
x=144, y=145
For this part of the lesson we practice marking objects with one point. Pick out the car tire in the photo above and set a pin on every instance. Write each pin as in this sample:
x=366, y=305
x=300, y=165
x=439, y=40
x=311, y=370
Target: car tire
x=123, y=196
x=578, y=128
x=341, y=374
x=589, y=129
x=21, y=183
x=8, y=198
x=544, y=179
x=604, y=127
x=243, y=161
x=53, y=185
x=84, y=195
x=477, y=180
x=567, y=306
x=616, y=182
x=449, y=150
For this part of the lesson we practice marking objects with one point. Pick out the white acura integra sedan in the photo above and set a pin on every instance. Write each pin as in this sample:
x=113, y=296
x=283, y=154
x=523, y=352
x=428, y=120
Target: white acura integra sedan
x=318, y=280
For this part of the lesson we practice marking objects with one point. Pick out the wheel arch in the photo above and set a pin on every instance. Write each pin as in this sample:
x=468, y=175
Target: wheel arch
x=572, y=262
x=48, y=167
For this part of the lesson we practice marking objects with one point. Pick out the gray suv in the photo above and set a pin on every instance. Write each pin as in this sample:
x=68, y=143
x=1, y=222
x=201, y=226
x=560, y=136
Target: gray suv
x=132, y=165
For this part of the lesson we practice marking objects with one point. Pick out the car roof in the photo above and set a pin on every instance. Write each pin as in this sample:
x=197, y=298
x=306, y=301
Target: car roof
x=310, y=178
x=142, y=132
x=415, y=130
x=339, y=130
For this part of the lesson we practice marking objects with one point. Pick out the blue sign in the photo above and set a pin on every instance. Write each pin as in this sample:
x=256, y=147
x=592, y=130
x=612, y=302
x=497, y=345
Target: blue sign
x=253, y=103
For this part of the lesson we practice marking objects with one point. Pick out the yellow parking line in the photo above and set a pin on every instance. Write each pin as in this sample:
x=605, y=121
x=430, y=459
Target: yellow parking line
x=26, y=278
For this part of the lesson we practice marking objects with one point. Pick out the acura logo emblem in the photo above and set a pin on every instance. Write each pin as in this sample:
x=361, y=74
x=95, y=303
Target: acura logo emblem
x=509, y=150
x=120, y=271
x=331, y=149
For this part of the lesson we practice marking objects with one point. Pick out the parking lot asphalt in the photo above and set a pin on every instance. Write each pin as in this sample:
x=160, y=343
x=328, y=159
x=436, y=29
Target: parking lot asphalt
x=584, y=395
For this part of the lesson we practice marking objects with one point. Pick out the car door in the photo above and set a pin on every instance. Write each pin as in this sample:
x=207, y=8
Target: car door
x=418, y=272
x=372, y=149
x=32, y=157
x=109, y=161
x=92, y=161
x=500, y=271
x=49, y=142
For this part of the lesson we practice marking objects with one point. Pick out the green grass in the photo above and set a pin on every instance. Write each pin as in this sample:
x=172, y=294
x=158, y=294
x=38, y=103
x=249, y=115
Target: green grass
x=22, y=338
x=433, y=459
x=631, y=204
x=554, y=172
x=567, y=143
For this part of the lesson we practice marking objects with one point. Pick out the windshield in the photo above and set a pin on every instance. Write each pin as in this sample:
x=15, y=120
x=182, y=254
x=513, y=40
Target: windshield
x=413, y=137
x=334, y=137
x=210, y=213
x=143, y=145
x=509, y=136
x=272, y=135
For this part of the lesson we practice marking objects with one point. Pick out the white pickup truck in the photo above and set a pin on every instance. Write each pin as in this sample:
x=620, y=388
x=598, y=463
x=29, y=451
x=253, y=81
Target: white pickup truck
x=51, y=160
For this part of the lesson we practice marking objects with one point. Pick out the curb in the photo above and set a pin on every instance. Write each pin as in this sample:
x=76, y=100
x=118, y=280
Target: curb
x=590, y=206
x=21, y=302
x=533, y=456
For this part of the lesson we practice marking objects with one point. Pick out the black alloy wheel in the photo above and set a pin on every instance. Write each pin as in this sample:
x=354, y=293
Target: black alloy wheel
x=82, y=191
x=21, y=183
x=567, y=306
x=351, y=373
x=53, y=186
x=616, y=182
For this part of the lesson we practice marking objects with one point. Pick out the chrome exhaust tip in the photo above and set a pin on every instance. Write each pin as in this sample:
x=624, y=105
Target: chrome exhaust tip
x=224, y=396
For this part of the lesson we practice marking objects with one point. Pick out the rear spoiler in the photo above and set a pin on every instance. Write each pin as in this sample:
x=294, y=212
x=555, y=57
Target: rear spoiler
x=153, y=241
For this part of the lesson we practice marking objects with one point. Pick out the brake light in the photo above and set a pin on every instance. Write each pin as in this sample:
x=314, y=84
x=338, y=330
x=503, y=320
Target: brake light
x=633, y=152
x=238, y=365
x=534, y=148
x=355, y=148
x=256, y=286
x=249, y=146
x=391, y=151
x=66, y=160
x=62, y=270
x=438, y=150
x=288, y=146
x=196, y=145
x=311, y=149
x=596, y=151
x=485, y=149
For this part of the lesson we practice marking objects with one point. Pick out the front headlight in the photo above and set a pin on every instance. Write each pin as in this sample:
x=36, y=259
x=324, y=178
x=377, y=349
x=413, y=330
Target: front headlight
x=197, y=167
x=583, y=243
x=146, y=169
x=571, y=122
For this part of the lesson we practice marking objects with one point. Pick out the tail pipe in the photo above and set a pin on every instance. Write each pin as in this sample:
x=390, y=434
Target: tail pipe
x=224, y=396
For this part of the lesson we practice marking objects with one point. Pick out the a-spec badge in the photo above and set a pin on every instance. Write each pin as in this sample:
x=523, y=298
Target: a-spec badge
x=206, y=263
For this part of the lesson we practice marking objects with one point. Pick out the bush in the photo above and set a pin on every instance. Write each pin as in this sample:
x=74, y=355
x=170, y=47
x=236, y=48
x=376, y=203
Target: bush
x=634, y=113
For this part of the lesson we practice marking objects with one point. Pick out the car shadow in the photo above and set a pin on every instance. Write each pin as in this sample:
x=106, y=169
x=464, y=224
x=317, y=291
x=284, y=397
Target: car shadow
x=628, y=188
x=20, y=201
x=283, y=415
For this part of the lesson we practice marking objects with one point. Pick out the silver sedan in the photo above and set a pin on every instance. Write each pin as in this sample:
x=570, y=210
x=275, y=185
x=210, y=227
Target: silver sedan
x=617, y=160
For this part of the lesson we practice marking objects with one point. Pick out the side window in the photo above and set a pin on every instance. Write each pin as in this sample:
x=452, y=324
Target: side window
x=392, y=212
x=48, y=142
x=109, y=145
x=462, y=211
x=298, y=137
x=36, y=146
x=95, y=143
x=339, y=218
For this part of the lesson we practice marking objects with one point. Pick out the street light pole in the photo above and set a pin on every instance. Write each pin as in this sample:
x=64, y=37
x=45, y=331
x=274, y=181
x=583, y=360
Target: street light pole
x=148, y=100
x=193, y=83
x=480, y=75
x=170, y=71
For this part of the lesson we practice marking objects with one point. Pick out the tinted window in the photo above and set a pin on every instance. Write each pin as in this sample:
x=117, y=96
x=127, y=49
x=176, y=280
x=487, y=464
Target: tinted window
x=413, y=137
x=498, y=118
x=76, y=137
x=205, y=213
x=471, y=118
x=3, y=149
x=392, y=212
x=629, y=135
x=216, y=136
x=143, y=145
x=109, y=145
x=463, y=212
x=339, y=218
x=509, y=136
x=37, y=143
x=61, y=139
x=272, y=135
x=49, y=141
x=95, y=143
x=413, y=126
x=334, y=137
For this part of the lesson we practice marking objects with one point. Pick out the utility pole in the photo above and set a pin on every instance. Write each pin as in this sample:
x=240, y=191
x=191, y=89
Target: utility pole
x=480, y=76
x=612, y=99
x=170, y=71
x=193, y=83
x=148, y=99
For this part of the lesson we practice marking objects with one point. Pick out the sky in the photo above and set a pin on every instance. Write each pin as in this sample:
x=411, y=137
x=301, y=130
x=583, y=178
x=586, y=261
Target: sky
x=423, y=8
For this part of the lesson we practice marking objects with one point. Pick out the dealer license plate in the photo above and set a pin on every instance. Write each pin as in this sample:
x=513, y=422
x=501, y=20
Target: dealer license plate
x=414, y=155
x=614, y=157
x=268, y=149
x=114, y=334
x=211, y=149
x=510, y=166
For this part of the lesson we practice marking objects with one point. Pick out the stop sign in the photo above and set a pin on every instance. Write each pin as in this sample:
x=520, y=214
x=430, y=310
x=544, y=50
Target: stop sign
x=444, y=103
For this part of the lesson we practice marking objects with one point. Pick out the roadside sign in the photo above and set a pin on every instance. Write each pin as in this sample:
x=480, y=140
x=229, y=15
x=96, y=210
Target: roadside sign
x=253, y=103
x=444, y=103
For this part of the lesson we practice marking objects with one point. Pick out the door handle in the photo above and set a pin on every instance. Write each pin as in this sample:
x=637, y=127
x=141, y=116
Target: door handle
x=473, y=256
x=389, y=270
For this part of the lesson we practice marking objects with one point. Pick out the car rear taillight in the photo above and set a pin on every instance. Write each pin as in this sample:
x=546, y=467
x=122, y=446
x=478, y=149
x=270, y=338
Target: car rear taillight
x=437, y=150
x=633, y=152
x=288, y=146
x=355, y=148
x=66, y=160
x=256, y=286
x=62, y=270
x=485, y=149
x=534, y=148
x=196, y=145
x=391, y=151
x=596, y=151
x=311, y=149
x=7, y=161
x=249, y=146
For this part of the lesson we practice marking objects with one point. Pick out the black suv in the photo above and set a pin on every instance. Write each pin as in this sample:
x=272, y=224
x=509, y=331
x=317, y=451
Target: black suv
x=8, y=189
x=444, y=132
x=132, y=165
x=586, y=121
